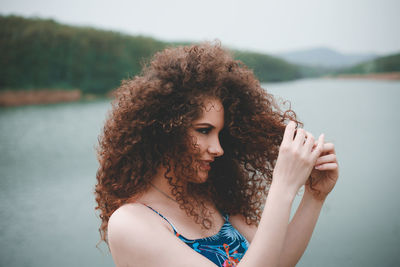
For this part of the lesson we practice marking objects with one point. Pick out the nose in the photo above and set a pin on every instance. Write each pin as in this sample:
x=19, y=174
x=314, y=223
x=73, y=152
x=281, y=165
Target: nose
x=215, y=148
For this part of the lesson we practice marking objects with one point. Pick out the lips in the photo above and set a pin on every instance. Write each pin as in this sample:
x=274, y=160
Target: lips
x=205, y=165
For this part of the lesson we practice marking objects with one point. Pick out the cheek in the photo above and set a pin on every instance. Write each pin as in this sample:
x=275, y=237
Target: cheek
x=198, y=141
x=201, y=144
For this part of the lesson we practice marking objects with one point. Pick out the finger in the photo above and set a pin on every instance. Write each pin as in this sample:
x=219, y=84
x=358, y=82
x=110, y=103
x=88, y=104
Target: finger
x=289, y=132
x=300, y=136
x=327, y=166
x=328, y=147
x=326, y=159
x=309, y=141
x=318, y=149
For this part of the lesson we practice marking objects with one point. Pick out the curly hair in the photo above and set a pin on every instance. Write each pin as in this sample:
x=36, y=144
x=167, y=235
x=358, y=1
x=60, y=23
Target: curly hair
x=148, y=128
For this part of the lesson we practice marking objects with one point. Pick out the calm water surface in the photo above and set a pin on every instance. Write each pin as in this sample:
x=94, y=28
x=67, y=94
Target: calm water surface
x=48, y=165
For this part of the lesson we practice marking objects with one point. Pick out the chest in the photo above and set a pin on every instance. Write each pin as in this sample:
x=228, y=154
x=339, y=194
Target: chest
x=188, y=227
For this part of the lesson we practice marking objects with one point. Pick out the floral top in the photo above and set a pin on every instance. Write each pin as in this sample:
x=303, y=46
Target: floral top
x=226, y=248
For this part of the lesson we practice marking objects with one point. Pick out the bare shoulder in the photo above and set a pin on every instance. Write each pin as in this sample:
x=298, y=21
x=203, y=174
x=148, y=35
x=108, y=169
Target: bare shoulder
x=129, y=218
x=129, y=229
x=139, y=237
x=239, y=222
x=125, y=227
x=127, y=215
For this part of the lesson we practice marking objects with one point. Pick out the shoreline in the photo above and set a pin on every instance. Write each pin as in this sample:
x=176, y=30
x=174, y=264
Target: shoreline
x=389, y=76
x=10, y=98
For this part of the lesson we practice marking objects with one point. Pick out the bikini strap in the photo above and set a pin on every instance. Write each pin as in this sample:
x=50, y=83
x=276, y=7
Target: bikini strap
x=225, y=216
x=173, y=227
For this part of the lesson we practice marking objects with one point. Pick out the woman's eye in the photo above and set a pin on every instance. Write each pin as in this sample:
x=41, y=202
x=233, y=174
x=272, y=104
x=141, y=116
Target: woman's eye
x=204, y=130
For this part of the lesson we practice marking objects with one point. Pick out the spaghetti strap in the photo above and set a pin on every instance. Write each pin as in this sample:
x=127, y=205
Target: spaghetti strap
x=225, y=216
x=226, y=248
x=162, y=216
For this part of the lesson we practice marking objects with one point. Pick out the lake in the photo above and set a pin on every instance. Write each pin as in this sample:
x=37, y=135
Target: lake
x=48, y=165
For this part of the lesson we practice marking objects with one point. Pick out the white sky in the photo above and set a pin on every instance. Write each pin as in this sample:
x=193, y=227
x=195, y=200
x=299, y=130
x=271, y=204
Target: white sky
x=349, y=26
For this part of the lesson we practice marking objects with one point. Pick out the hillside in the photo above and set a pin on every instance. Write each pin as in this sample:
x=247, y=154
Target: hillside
x=44, y=54
x=268, y=68
x=384, y=64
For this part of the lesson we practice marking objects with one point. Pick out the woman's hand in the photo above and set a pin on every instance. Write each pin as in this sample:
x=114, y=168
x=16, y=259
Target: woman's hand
x=297, y=156
x=324, y=175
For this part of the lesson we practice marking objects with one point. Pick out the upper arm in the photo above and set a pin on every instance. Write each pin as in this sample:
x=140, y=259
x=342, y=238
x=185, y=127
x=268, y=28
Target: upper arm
x=138, y=238
x=239, y=222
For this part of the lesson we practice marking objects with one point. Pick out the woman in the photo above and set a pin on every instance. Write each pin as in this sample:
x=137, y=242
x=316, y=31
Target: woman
x=198, y=168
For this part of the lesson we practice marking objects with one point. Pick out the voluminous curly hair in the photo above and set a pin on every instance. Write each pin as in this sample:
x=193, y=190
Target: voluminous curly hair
x=148, y=128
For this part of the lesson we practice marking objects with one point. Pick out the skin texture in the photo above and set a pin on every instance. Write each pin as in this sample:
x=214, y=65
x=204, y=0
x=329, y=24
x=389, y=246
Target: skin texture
x=139, y=237
x=205, y=133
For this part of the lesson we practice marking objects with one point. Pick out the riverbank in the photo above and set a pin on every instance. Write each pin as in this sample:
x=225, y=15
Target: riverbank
x=36, y=97
x=371, y=76
x=10, y=98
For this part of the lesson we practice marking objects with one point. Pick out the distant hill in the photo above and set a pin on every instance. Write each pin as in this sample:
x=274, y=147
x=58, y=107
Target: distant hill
x=324, y=57
x=269, y=68
x=44, y=54
x=38, y=53
x=384, y=64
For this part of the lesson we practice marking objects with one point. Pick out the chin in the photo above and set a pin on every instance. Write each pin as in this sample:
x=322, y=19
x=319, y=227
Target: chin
x=202, y=177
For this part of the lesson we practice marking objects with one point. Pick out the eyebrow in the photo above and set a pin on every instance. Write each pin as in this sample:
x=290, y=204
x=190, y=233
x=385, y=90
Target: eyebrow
x=205, y=124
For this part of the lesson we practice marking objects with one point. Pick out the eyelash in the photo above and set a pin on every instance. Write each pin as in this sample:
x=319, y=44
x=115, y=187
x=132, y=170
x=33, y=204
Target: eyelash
x=204, y=130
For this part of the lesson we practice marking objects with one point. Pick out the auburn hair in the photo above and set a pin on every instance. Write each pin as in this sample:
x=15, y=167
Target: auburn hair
x=148, y=128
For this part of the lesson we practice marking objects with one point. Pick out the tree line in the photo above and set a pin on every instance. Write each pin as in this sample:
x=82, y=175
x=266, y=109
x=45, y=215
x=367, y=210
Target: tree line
x=44, y=54
x=384, y=64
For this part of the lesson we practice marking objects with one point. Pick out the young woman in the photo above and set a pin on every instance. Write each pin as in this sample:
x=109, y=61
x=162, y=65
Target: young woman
x=199, y=167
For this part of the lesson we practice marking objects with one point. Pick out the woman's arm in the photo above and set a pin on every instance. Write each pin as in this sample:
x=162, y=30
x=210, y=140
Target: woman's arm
x=267, y=243
x=297, y=156
x=300, y=230
x=303, y=222
x=323, y=179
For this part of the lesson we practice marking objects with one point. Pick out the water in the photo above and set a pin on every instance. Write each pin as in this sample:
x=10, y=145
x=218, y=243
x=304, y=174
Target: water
x=48, y=165
x=360, y=222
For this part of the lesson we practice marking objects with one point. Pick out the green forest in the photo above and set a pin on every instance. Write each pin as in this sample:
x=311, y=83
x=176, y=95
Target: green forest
x=43, y=54
x=383, y=64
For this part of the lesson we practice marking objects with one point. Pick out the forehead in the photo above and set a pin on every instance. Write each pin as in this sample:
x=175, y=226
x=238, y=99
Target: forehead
x=212, y=105
x=213, y=112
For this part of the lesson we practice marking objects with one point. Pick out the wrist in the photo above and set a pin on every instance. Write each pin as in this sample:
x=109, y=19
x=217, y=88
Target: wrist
x=314, y=195
x=283, y=191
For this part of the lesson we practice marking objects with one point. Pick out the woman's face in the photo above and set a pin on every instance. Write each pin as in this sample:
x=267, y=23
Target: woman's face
x=205, y=131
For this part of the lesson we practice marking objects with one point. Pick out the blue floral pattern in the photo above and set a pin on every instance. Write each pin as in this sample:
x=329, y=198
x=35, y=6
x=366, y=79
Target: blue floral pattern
x=226, y=248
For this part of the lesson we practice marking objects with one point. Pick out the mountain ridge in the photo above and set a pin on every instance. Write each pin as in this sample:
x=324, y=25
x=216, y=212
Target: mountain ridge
x=325, y=57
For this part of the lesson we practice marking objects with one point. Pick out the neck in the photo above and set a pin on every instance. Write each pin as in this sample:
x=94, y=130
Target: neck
x=161, y=183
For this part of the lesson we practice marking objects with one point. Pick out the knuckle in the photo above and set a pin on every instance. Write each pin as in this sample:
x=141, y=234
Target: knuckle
x=296, y=153
x=305, y=158
x=284, y=147
x=319, y=149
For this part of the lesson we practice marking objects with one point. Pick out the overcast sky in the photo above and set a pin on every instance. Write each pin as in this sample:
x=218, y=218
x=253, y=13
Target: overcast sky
x=349, y=26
